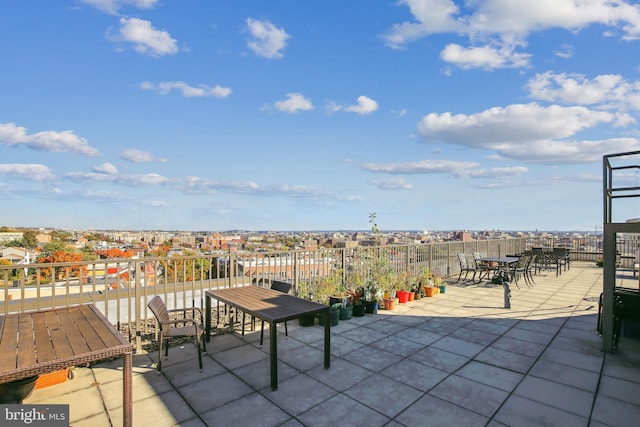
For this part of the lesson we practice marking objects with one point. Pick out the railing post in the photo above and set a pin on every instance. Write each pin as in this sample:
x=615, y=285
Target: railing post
x=138, y=298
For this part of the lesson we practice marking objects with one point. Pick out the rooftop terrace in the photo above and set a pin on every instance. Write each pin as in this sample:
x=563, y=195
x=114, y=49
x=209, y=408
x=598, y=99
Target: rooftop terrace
x=459, y=358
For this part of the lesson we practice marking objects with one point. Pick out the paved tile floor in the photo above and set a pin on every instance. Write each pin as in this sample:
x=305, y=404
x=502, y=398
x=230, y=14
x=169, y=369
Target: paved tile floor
x=459, y=358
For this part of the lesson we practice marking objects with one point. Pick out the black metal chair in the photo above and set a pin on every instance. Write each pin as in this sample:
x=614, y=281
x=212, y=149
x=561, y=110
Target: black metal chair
x=483, y=267
x=169, y=328
x=519, y=269
x=466, y=267
x=285, y=288
x=563, y=256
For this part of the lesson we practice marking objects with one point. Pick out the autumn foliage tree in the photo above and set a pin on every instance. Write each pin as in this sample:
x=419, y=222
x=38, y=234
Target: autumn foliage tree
x=114, y=253
x=61, y=273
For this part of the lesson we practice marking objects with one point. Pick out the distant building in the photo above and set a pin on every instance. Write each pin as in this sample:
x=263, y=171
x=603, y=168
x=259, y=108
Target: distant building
x=43, y=238
x=10, y=236
x=17, y=255
x=463, y=236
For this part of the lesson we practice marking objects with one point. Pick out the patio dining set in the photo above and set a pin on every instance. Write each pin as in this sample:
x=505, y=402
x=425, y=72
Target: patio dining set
x=512, y=268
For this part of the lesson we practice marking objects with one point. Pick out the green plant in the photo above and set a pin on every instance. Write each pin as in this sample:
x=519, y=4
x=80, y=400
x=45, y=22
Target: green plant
x=426, y=278
x=307, y=290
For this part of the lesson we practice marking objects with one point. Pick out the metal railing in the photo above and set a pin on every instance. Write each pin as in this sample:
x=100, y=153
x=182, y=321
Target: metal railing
x=121, y=288
x=39, y=286
x=590, y=248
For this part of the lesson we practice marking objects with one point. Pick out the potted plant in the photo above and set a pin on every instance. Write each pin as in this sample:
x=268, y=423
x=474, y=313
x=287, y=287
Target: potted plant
x=442, y=284
x=426, y=280
x=306, y=290
x=415, y=286
x=356, y=302
x=334, y=315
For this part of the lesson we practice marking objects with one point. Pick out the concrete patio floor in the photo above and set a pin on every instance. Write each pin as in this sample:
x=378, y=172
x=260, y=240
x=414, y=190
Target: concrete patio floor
x=459, y=358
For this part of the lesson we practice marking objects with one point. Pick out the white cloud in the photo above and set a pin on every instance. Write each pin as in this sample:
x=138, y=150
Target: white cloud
x=487, y=57
x=492, y=172
x=149, y=179
x=51, y=141
x=365, y=106
x=267, y=40
x=139, y=156
x=196, y=185
x=432, y=17
x=145, y=38
x=201, y=90
x=492, y=26
x=420, y=167
x=392, y=184
x=113, y=6
x=606, y=90
x=30, y=171
x=295, y=102
x=565, y=51
x=459, y=169
x=528, y=132
x=106, y=168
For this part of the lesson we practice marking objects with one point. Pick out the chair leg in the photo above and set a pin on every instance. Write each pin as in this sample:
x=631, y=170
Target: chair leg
x=286, y=332
x=160, y=352
x=199, y=352
x=261, y=332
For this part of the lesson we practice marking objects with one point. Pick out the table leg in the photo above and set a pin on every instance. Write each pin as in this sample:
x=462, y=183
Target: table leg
x=207, y=315
x=327, y=339
x=127, y=396
x=273, y=345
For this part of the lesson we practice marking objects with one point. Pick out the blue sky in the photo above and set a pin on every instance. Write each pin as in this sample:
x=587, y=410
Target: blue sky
x=309, y=115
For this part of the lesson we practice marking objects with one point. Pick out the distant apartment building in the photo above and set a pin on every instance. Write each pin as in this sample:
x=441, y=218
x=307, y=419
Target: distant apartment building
x=9, y=236
x=17, y=255
x=347, y=244
x=43, y=238
x=462, y=236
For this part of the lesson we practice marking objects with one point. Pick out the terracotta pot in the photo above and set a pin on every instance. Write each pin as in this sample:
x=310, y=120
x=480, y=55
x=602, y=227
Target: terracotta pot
x=430, y=291
x=389, y=303
x=412, y=296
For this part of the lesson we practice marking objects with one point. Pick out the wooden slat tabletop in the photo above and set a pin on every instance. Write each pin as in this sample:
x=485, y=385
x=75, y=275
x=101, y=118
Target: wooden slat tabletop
x=37, y=342
x=267, y=304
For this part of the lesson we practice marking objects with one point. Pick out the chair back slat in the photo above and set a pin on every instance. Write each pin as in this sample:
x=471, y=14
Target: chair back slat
x=281, y=286
x=159, y=309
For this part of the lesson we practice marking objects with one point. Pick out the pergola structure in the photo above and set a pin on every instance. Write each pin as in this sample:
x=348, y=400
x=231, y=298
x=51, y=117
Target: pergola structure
x=616, y=187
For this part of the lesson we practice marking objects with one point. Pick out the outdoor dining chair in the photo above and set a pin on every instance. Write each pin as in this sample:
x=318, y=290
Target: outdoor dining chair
x=283, y=287
x=180, y=327
x=466, y=266
x=483, y=267
x=521, y=269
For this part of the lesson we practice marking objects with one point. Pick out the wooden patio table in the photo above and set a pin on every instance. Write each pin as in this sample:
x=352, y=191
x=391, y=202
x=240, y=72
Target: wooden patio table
x=46, y=341
x=272, y=307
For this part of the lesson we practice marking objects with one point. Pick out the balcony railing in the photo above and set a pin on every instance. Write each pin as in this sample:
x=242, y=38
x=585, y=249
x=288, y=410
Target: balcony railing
x=121, y=288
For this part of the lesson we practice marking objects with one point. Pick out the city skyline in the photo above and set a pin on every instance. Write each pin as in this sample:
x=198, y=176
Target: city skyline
x=434, y=114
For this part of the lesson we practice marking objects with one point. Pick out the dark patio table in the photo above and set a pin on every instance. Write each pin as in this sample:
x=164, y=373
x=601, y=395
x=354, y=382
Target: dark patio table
x=47, y=341
x=272, y=307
